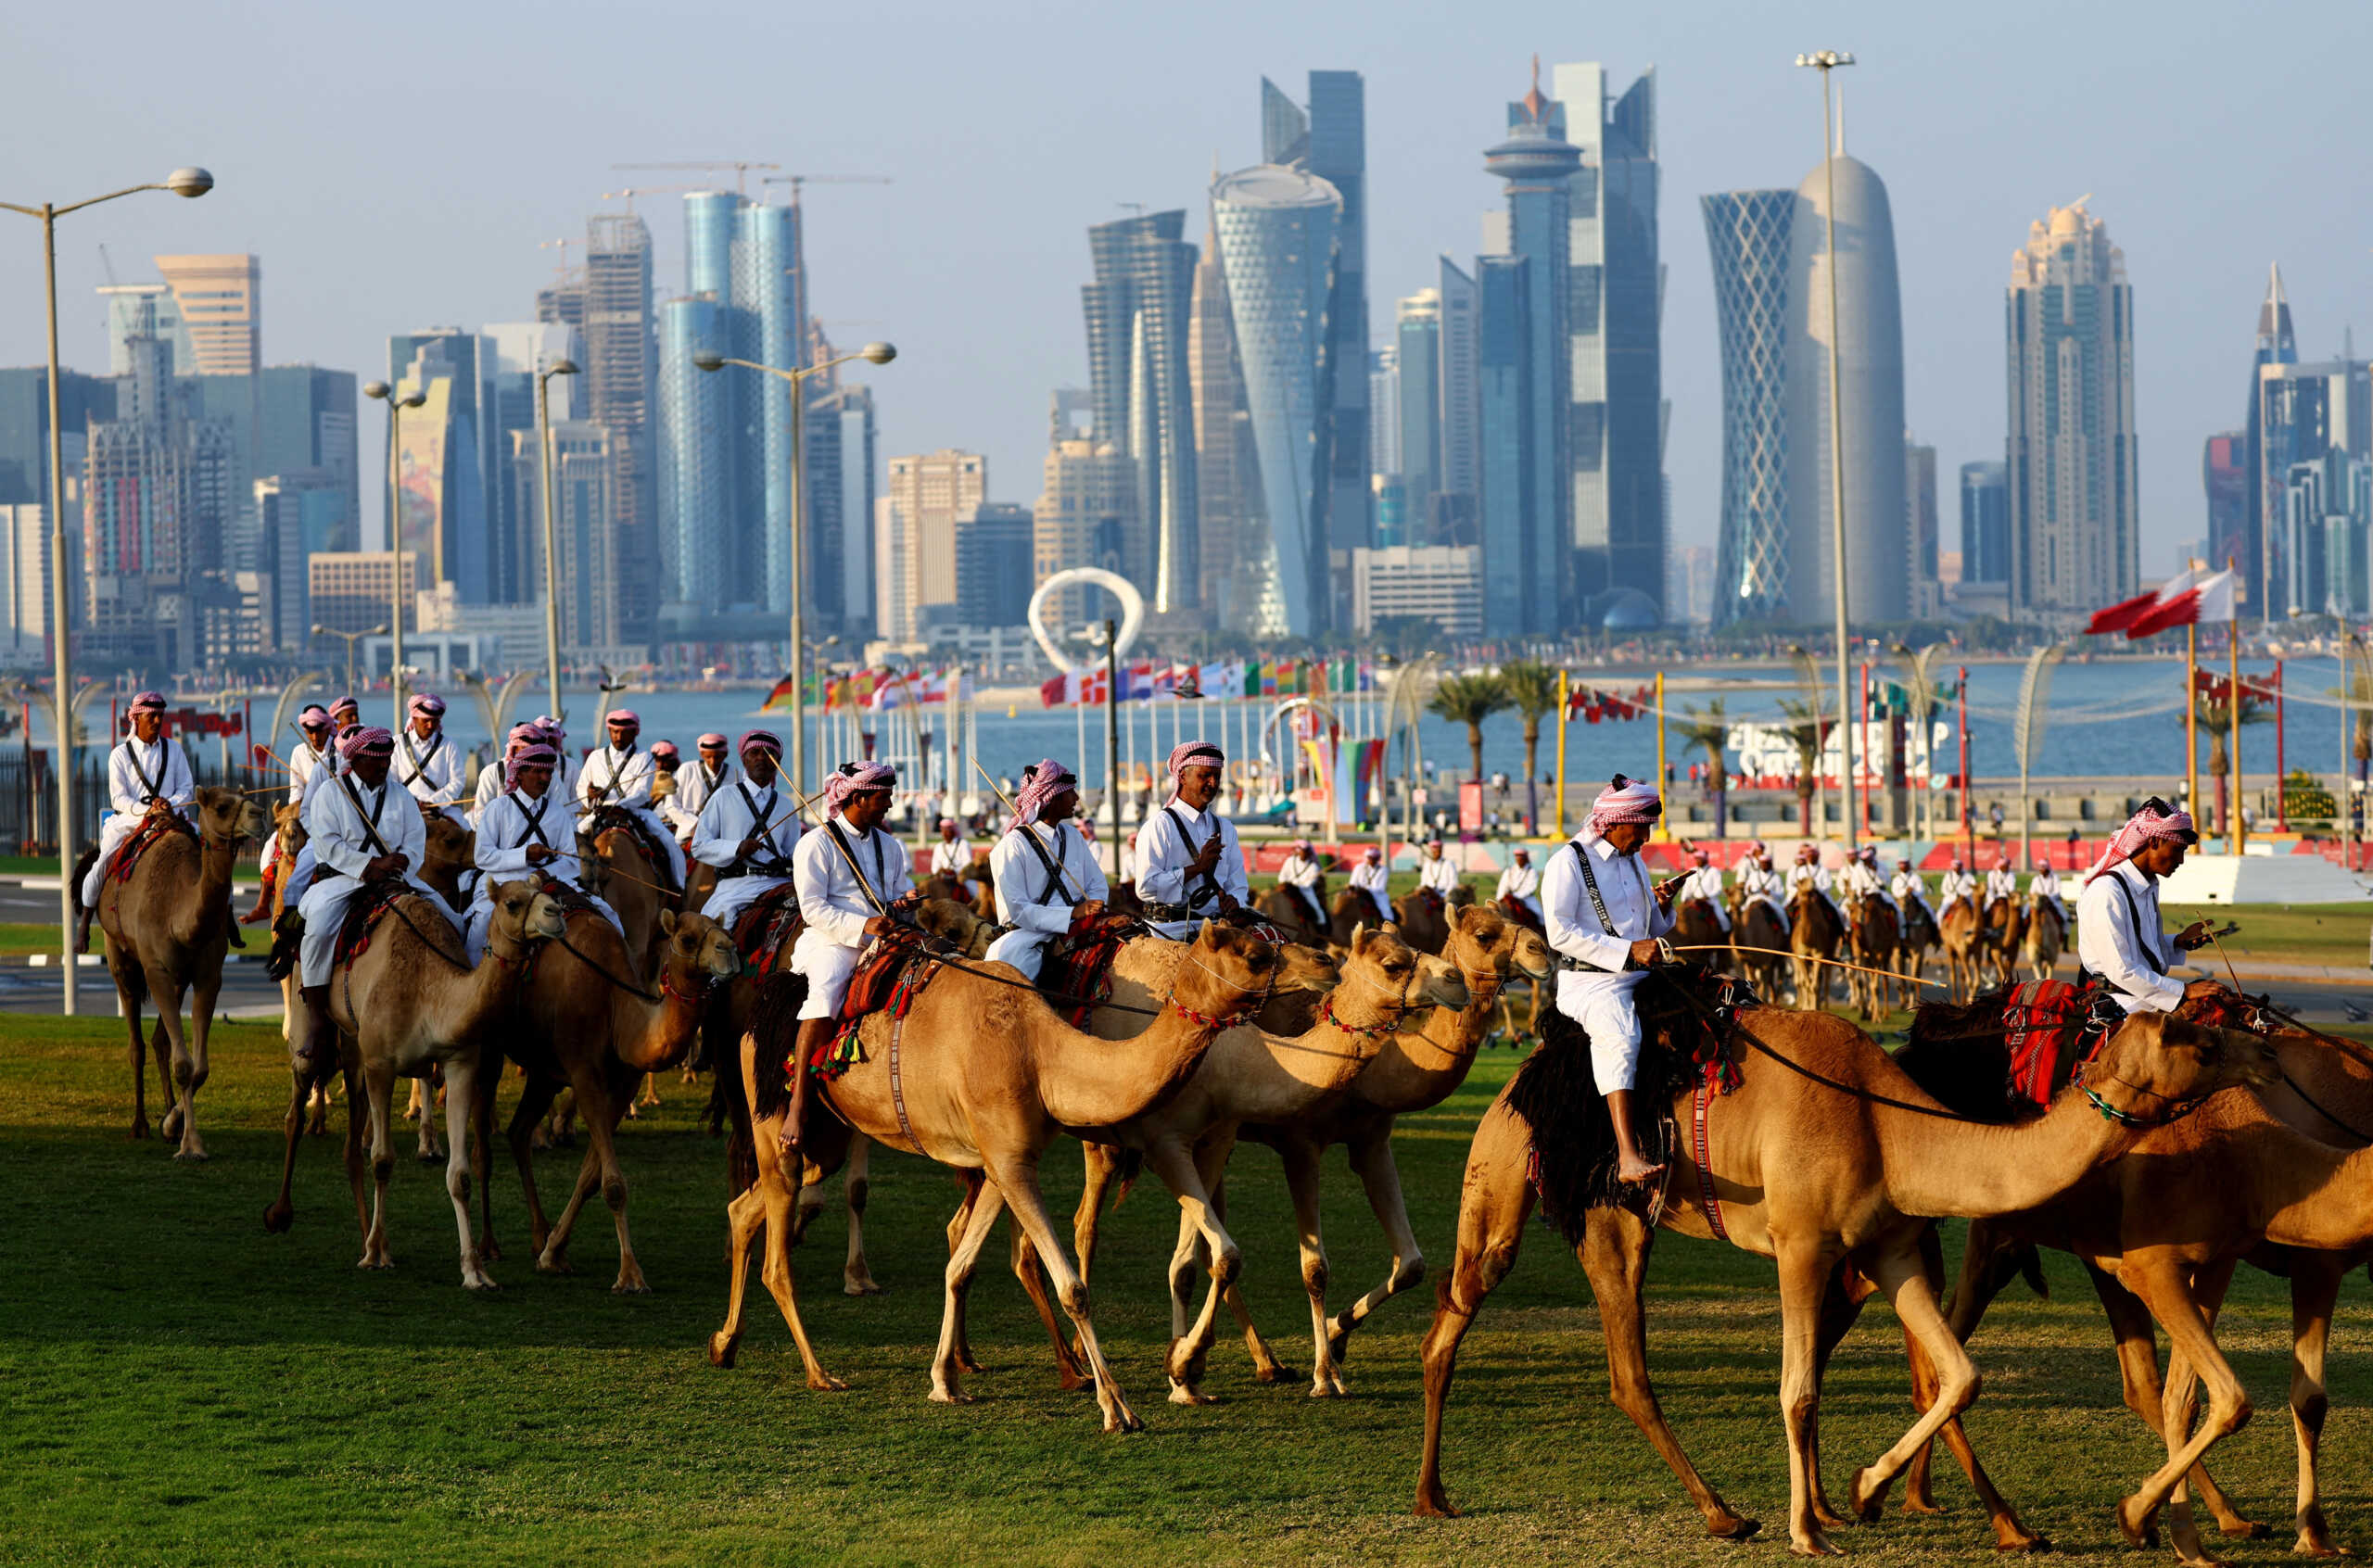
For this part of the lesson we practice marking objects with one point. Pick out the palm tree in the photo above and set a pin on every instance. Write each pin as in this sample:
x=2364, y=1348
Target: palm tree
x=1804, y=727
x=2215, y=715
x=1469, y=700
x=1532, y=691
x=1709, y=731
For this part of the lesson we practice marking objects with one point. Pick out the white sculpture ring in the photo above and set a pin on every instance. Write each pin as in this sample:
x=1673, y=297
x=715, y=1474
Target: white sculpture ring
x=1132, y=612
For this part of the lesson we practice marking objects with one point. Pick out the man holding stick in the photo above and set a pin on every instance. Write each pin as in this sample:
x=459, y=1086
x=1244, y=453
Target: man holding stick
x=1045, y=873
x=1190, y=867
x=747, y=832
x=853, y=880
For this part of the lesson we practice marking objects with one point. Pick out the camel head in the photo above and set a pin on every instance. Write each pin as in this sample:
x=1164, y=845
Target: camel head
x=225, y=816
x=448, y=840
x=2154, y=1061
x=1392, y=973
x=288, y=821
x=952, y=921
x=524, y=912
x=1306, y=968
x=698, y=944
x=1483, y=941
x=1223, y=966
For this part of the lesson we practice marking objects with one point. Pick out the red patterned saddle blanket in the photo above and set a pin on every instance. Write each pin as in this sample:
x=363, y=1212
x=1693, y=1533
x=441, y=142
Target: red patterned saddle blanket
x=2050, y=1027
x=889, y=974
x=151, y=832
x=362, y=917
x=1079, y=963
x=765, y=931
x=1521, y=913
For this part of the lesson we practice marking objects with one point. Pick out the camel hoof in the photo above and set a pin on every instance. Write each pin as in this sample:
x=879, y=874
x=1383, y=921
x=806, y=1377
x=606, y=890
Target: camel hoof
x=636, y=1287
x=1069, y=1381
x=1182, y=1394
x=1328, y=1387
x=555, y=1263
x=2318, y=1547
x=1123, y=1418
x=2249, y=1530
x=139, y=1132
x=966, y=1364
x=376, y=1263
x=1816, y=1544
x=723, y=1351
x=825, y=1383
x=278, y=1218
x=949, y=1397
x=859, y=1285
x=1732, y=1527
x=479, y=1281
x=2023, y=1541
x=430, y=1156
x=1867, y=1504
x=1434, y=1504
x=2137, y=1524
x=489, y=1252
x=195, y=1157
x=171, y=1126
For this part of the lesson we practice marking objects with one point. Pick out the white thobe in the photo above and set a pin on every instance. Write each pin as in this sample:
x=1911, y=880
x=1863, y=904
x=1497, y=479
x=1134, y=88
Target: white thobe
x=1956, y=885
x=1523, y=884
x=304, y=763
x=1863, y=881
x=1375, y=879
x=1799, y=874
x=169, y=780
x=2118, y=938
x=339, y=827
x=1162, y=855
x=2045, y=885
x=2002, y=883
x=1302, y=874
x=431, y=769
x=1763, y=883
x=1706, y=882
x=733, y=814
x=1031, y=899
x=1597, y=995
x=951, y=857
x=695, y=786
x=513, y=821
x=1438, y=874
x=833, y=905
x=1908, y=889
x=623, y=779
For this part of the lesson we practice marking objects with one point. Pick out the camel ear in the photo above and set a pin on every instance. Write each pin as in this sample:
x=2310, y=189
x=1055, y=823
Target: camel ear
x=1359, y=936
x=1204, y=933
x=667, y=922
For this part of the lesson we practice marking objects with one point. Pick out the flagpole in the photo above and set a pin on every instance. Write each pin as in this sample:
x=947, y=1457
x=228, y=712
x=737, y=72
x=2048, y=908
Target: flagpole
x=1565, y=680
x=1664, y=779
x=2240, y=834
x=2191, y=718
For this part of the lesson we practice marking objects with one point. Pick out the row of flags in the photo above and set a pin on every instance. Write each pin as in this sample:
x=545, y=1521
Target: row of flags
x=2195, y=595
x=873, y=690
x=1589, y=704
x=1145, y=680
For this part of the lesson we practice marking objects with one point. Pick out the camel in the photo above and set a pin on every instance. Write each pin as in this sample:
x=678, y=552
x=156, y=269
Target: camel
x=1871, y=938
x=1961, y=931
x=2005, y=930
x=1814, y=932
x=2045, y=936
x=635, y=887
x=1419, y=1067
x=1813, y=1173
x=581, y=1020
x=1285, y=909
x=449, y=856
x=1346, y=913
x=1424, y=924
x=982, y=1074
x=408, y=1001
x=168, y=926
x=1912, y=945
x=1762, y=945
x=2279, y=1177
x=1694, y=926
x=1251, y=1075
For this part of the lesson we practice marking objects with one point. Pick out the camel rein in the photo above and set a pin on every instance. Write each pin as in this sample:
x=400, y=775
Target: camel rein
x=1804, y=958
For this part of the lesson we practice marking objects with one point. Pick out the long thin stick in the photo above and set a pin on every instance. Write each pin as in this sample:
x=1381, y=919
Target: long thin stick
x=1059, y=869
x=1807, y=957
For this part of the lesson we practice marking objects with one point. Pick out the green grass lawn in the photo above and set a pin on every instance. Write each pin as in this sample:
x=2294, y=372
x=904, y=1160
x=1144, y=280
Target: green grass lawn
x=2283, y=933
x=175, y=1384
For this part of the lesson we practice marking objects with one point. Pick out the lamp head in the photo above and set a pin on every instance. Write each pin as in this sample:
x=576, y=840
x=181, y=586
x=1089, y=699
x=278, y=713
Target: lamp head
x=319, y=628
x=377, y=389
x=561, y=367
x=379, y=630
x=709, y=359
x=414, y=401
x=191, y=182
x=879, y=353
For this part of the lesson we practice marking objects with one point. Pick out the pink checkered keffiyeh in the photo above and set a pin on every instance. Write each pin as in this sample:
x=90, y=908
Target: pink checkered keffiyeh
x=1192, y=753
x=1624, y=799
x=1043, y=783
x=853, y=779
x=2155, y=821
x=534, y=754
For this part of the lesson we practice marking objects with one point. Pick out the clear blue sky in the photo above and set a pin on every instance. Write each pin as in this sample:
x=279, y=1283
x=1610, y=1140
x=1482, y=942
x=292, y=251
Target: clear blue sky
x=395, y=166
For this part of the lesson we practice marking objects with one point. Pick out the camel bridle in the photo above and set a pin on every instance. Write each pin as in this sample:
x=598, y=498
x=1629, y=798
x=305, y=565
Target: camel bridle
x=1245, y=1013
x=1402, y=1008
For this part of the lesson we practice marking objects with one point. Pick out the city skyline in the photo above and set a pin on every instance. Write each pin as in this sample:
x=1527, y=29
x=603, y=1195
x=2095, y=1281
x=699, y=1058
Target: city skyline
x=997, y=332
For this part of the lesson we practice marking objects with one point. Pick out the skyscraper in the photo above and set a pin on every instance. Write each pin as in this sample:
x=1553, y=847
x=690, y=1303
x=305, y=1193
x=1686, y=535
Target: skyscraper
x=145, y=309
x=621, y=367
x=840, y=491
x=697, y=501
x=1985, y=523
x=1452, y=519
x=1920, y=518
x=1138, y=311
x=518, y=350
x=1868, y=334
x=220, y=300
x=159, y=498
x=2224, y=478
x=1277, y=234
x=447, y=457
x=2275, y=347
x=2075, y=543
x=928, y=493
x=1384, y=409
x=993, y=564
x=1227, y=474
x=1417, y=339
x=1084, y=506
x=2305, y=411
x=1750, y=234
x=1614, y=315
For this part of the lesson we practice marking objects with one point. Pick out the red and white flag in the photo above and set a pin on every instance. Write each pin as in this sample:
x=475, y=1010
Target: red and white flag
x=2126, y=611
x=2197, y=596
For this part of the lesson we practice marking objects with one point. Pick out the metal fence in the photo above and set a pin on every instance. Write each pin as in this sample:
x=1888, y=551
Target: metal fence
x=28, y=797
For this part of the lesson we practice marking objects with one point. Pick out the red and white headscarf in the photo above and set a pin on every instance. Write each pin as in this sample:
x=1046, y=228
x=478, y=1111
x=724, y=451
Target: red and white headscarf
x=426, y=705
x=366, y=741
x=2157, y=820
x=1192, y=753
x=536, y=754
x=1624, y=799
x=853, y=778
x=1040, y=784
x=148, y=702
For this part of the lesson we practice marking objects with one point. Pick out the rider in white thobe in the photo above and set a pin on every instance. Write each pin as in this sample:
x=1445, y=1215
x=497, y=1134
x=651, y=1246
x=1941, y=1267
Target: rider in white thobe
x=2044, y=888
x=748, y=809
x=1178, y=899
x=1374, y=879
x=1706, y=882
x=524, y=819
x=1044, y=873
x=833, y=901
x=1758, y=879
x=1908, y=889
x=2003, y=883
x=619, y=774
x=141, y=770
x=1436, y=874
x=952, y=856
x=2119, y=940
x=339, y=825
x=1521, y=881
x=696, y=786
x=1303, y=873
x=427, y=762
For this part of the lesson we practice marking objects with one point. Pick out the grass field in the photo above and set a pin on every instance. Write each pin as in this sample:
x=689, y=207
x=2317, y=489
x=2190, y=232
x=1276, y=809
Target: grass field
x=177, y=1386
x=2284, y=933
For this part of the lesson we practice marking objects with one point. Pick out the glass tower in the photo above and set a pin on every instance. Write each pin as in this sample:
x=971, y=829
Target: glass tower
x=1749, y=233
x=1138, y=311
x=696, y=480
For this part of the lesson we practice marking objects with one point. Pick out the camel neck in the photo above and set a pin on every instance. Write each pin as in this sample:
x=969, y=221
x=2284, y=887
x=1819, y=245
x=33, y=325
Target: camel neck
x=1952, y=1168
x=207, y=912
x=658, y=1034
x=1088, y=1083
x=2328, y=1191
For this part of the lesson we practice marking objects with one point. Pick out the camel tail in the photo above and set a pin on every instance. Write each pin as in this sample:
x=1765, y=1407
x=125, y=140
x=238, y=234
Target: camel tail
x=81, y=870
x=2031, y=1270
x=1133, y=1165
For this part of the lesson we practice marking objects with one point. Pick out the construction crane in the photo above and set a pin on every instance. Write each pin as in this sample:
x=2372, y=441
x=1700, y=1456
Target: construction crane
x=631, y=191
x=562, y=245
x=796, y=181
x=741, y=168
x=113, y=281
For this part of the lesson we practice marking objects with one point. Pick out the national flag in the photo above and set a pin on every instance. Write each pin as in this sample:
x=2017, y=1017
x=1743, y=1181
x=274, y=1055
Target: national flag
x=1059, y=691
x=2204, y=599
x=778, y=700
x=2124, y=613
x=1267, y=669
x=1095, y=686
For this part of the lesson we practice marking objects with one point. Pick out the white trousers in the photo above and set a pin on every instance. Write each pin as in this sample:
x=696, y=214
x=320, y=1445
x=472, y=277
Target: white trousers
x=1601, y=1003
x=1383, y=903
x=481, y=916
x=1024, y=950
x=114, y=828
x=324, y=910
x=736, y=893
x=660, y=830
x=828, y=967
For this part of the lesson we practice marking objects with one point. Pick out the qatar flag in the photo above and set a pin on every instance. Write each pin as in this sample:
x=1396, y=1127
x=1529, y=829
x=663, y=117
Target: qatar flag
x=2194, y=599
x=2126, y=611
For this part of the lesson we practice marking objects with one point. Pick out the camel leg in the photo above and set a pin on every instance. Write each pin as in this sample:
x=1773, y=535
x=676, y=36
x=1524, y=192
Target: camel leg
x=1494, y=1202
x=358, y=1113
x=1069, y=1373
x=1615, y=1255
x=1019, y=1181
x=1987, y=1268
x=2134, y=1335
x=2315, y=1290
x=604, y=1106
x=1102, y=1163
x=424, y=1099
x=192, y=1068
x=2163, y=1282
x=946, y=1372
x=766, y=1206
x=128, y=996
x=165, y=994
x=1207, y=1241
x=1264, y=1360
x=379, y=1084
x=743, y=1218
x=461, y=1089
x=487, y=1075
x=958, y=1223
x=281, y=1213
x=857, y=1275
x=1372, y=1161
x=1804, y=1279
x=1901, y=1275
x=1302, y=1180
x=535, y=1099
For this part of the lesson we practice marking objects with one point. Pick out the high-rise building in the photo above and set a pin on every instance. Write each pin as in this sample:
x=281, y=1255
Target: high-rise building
x=1614, y=317
x=2075, y=539
x=350, y=591
x=2224, y=478
x=1985, y=523
x=83, y=400
x=994, y=569
x=1330, y=139
x=1750, y=234
x=159, y=502
x=520, y=350
x=220, y=301
x=621, y=366
x=1869, y=335
x=1384, y=409
x=841, y=492
x=145, y=309
x=1138, y=311
x=594, y=597
x=1083, y=513
x=1439, y=583
x=1417, y=345
x=2277, y=345
x=1226, y=471
x=1919, y=515
x=2305, y=412
x=1452, y=518
x=1276, y=235
x=767, y=329
x=698, y=509
x=300, y=513
x=928, y=493
x=25, y=604
x=447, y=457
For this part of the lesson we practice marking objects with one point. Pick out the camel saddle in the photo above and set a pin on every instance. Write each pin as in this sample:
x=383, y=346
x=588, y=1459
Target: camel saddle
x=1521, y=913
x=655, y=849
x=1078, y=965
x=889, y=974
x=764, y=933
x=2008, y=1052
x=151, y=831
x=362, y=917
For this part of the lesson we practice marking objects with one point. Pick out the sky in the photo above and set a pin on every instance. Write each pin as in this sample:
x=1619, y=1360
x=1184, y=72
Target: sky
x=398, y=167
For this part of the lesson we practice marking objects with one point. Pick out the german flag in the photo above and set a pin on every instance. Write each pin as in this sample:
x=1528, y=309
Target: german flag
x=778, y=700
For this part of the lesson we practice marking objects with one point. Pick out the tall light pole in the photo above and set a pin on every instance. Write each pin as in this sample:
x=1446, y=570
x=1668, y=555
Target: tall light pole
x=872, y=353
x=352, y=639
x=552, y=548
x=396, y=402
x=191, y=182
x=1827, y=61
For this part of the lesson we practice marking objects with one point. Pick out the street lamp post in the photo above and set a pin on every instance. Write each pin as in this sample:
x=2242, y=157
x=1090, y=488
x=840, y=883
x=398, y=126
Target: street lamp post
x=191, y=182
x=873, y=353
x=552, y=548
x=1827, y=61
x=396, y=402
x=352, y=639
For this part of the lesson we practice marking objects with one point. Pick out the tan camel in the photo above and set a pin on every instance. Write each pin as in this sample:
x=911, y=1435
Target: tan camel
x=1871, y=940
x=1814, y=932
x=1420, y=1066
x=1424, y=923
x=1285, y=909
x=1762, y=944
x=1962, y=932
x=1696, y=926
x=583, y=1020
x=2004, y=931
x=1251, y=1075
x=1346, y=913
x=2045, y=936
x=1813, y=1174
x=411, y=1001
x=450, y=852
x=1913, y=944
x=167, y=927
x=636, y=888
x=981, y=1075
x=2279, y=1177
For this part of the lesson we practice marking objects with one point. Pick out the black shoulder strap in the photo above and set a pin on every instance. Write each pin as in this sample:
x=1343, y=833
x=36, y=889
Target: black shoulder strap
x=535, y=824
x=2149, y=950
x=1210, y=879
x=132, y=752
x=1590, y=880
x=1056, y=887
x=420, y=764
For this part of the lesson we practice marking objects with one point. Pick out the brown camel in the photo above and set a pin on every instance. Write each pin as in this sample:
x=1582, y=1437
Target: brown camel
x=986, y=1075
x=1918, y=937
x=167, y=927
x=582, y=1020
x=2268, y=1177
x=2003, y=932
x=450, y=851
x=638, y=889
x=411, y=1001
x=1696, y=927
x=1424, y=922
x=1961, y=931
x=1815, y=931
x=1284, y=908
x=1419, y=1067
x=2045, y=937
x=1813, y=1173
x=1762, y=943
x=1871, y=937
x=1346, y=913
x=1251, y=1075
